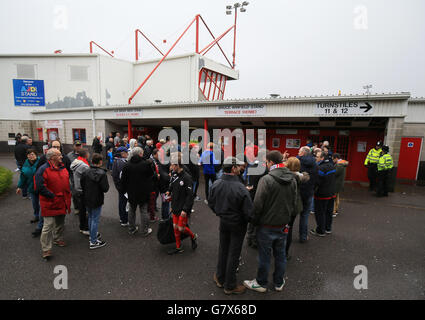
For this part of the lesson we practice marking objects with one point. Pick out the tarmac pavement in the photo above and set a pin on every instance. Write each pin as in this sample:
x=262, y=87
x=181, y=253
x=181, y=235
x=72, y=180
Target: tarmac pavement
x=386, y=235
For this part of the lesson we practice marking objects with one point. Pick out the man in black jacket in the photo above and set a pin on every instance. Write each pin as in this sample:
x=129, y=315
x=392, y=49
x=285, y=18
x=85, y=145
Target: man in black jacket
x=231, y=201
x=309, y=165
x=110, y=144
x=136, y=181
x=181, y=202
x=194, y=169
x=94, y=184
x=21, y=151
x=163, y=183
x=324, y=195
x=119, y=163
x=56, y=144
x=97, y=145
x=20, y=156
x=147, y=151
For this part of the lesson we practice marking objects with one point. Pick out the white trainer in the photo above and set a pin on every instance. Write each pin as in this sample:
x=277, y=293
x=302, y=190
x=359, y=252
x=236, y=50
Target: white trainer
x=281, y=287
x=253, y=285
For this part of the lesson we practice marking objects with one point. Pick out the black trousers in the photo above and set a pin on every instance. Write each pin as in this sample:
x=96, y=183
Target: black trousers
x=79, y=204
x=323, y=210
x=383, y=183
x=251, y=234
x=231, y=241
x=372, y=174
x=208, y=177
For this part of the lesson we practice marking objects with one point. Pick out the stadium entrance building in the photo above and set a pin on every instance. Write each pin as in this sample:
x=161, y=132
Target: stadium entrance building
x=79, y=96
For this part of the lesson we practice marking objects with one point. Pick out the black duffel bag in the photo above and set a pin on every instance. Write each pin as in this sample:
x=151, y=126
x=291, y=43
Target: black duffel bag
x=165, y=232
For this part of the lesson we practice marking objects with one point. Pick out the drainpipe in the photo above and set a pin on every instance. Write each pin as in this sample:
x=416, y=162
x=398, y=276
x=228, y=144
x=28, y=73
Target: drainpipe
x=130, y=130
x=205, y=133
x=93, y=123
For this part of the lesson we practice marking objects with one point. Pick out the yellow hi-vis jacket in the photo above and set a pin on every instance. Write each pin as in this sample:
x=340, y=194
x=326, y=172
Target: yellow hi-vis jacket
x=385, y=162
x=373, y=156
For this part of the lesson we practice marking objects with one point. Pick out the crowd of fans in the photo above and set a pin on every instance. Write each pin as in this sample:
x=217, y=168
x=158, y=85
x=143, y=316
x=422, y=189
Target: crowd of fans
x=261, y=207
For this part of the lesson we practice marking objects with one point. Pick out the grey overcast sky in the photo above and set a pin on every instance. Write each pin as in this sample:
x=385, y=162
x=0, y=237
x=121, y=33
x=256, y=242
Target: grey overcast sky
x=309, y=47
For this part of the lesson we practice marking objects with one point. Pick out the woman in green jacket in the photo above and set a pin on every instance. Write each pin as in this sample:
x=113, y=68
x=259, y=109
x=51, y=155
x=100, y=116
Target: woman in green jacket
x=26, y=181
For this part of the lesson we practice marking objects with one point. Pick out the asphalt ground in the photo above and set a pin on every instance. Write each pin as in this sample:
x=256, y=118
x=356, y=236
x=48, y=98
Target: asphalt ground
x=386, y=235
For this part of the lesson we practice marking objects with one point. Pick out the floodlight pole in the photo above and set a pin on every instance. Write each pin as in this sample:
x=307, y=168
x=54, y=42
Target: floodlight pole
x=234, y=38
x=197, y=34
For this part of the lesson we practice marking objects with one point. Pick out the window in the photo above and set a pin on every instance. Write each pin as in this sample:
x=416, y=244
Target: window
x=79, y=134
x=25, y=71
x=79, y=73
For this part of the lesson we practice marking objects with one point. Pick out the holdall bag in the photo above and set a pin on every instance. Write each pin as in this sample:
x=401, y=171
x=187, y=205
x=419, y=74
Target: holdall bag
x=165, y=232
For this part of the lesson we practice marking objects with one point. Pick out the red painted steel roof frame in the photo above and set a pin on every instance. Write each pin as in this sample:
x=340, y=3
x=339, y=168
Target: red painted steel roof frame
x=91, y=48
x=196, y=19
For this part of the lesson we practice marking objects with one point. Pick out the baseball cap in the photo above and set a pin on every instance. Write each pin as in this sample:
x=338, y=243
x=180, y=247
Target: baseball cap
x=77, y=142
x=122, y=149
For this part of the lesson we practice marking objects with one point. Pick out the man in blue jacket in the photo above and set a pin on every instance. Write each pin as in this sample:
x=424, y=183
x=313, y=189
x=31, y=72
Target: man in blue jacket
x=208, y=162
x=324, y=195
x=308, y=164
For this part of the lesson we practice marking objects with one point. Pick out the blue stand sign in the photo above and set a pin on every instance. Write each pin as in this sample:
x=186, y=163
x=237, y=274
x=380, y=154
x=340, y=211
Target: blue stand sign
x=28, y=93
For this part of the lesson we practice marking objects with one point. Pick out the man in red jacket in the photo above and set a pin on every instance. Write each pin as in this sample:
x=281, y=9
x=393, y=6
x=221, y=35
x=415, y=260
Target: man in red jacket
x=52, y=183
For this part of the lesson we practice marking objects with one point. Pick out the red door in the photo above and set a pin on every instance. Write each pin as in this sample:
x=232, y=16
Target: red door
x=359, y=148
x=410, y=151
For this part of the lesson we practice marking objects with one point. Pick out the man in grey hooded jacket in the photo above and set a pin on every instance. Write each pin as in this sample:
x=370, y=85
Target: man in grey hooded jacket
x=78, y=167
x=274, y=203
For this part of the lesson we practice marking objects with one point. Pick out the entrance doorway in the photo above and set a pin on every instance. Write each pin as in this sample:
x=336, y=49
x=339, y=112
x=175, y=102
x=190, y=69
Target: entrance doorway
x=408, y=163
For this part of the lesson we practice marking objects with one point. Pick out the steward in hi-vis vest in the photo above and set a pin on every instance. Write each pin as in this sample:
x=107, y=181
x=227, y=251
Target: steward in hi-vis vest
x=371, y=163
x=385, y=165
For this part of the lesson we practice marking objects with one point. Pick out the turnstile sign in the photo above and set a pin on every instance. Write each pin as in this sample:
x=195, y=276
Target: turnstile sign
x=343, y=108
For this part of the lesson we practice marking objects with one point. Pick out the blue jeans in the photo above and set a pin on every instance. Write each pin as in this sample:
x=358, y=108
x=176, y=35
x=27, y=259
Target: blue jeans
x=94, y=217
x=219, y=174
x=304, y=217
x=269, y=239
x=195, y=187
x=35, y=204
x=312, y=204
x=40, y=223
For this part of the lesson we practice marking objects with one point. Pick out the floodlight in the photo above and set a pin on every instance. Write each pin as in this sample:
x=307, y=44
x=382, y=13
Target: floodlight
x=243, y=10
x=245, y=3
x=228, y=7
x=237, y=5
x=228, y=12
